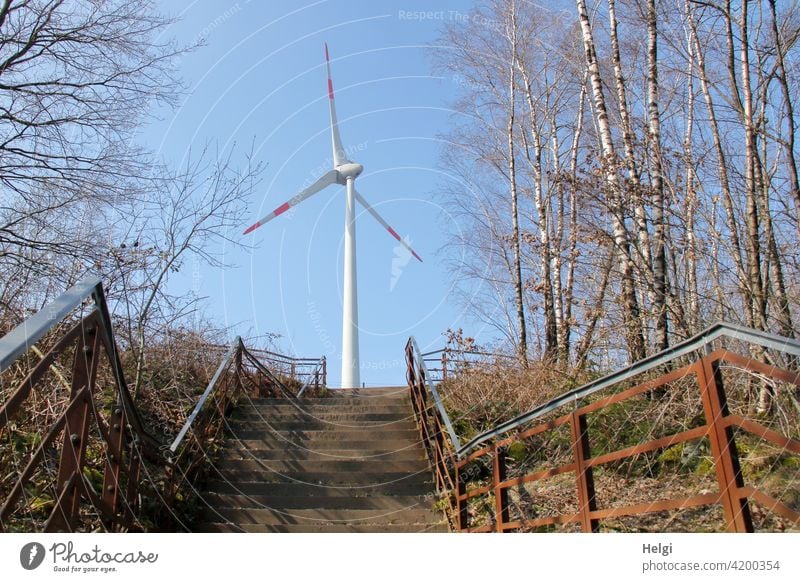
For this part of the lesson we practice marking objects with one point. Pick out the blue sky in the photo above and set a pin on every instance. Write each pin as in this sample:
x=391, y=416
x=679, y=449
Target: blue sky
x=260, y=79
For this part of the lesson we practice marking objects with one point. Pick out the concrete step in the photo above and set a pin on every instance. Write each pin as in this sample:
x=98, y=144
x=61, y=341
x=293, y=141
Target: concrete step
x=322, y=516
x=401, y=488
x=333, y=417
x=342, y=405
x=306, y=528
x=278, y=424
x=322, y=478
x=374, y=502
x=343, y=398
x=250, y=450
x=329, y=404
x=374, y=466
x=339, y=436
x=287, y=443
x=368, y=392
x=350, y=462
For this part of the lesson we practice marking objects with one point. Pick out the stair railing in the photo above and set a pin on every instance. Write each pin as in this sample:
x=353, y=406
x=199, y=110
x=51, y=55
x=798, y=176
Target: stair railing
x=87, y=464
x=435, y=428
x=201, y=434
x=233, y=355
x=239, y=373
x=317, y=377
x=90, y=456
x=560, y=437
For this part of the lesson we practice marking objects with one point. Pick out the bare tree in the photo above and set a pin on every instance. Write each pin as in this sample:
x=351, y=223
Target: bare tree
x=76, y=80
x=657, y=181
x=190, y=214
x=788, y=105
x=630, y=310
x=511, y=31
x=684, y=174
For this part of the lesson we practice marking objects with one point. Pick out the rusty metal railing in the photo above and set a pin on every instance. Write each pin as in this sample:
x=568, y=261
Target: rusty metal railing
x=91, y=456
x=302, y=371
x=317, y=377
x=239, y=374
x=242, y=372
x=238, y=368
x=435, y=428
x=679, y=419
x=448, y=362
x=234, y=354
x=86, y=468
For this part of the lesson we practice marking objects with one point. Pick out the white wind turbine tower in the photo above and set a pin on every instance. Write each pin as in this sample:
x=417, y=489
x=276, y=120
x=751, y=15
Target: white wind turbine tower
x=344, y=172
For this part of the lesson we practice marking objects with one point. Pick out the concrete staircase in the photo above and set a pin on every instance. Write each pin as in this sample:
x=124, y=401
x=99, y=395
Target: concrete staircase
x=351, y=462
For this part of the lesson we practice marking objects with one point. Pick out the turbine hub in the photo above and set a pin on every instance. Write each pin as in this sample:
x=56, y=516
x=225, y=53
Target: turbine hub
x=349, y=170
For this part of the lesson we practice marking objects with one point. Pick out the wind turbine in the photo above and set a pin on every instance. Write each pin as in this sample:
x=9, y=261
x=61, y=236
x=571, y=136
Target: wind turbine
x=344, y=173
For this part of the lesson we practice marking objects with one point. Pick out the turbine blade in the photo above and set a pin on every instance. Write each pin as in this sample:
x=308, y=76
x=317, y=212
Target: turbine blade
x=339, y=156
x=326, y=180
x=378, y=217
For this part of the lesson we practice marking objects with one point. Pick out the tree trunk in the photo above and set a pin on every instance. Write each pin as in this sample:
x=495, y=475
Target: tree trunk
x=657, y=182
x=522, y=345
x=724, y=182
x=630, y=303
x=543, y=219
x=753, y=247
x=572, y=257
x=642, y=252
x=692, y=291
x=788, y=144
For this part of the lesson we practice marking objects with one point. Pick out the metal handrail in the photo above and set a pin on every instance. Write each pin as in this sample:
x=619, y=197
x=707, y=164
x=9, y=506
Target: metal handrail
x=466, y=352
x=313, y=375
x=272, y=355
x=122, y=432
x=226, y=360
x=90, y=329
x=283, y=357
x=26, y=334
x=435, y=393
x=697, y=342
x=296, y=368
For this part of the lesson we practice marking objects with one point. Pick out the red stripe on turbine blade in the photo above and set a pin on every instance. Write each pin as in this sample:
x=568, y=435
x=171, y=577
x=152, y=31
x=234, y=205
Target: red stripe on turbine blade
x=397, y=236
x=252, y=228
x=281, y=209
x=330, y=89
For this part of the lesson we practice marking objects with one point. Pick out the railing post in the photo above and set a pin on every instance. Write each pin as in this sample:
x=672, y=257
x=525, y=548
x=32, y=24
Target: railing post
x=324, y=371
x=723, y=446
x=114, y=457
x=583, y=474
x=410, y=376
x=444, y=366
x=462, y=515
x=76, y=432
x=438, y=447
x=132, y=493
x=500, y=494
x=239, y=384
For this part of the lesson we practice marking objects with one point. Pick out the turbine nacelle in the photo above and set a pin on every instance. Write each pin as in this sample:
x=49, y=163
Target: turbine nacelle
x=350, y=170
